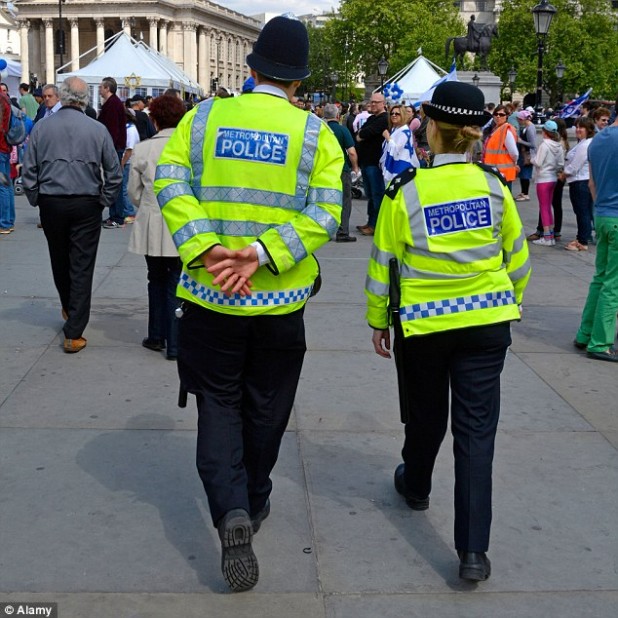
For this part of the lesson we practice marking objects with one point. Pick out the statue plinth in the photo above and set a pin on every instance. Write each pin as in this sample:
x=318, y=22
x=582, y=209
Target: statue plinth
x=489, y=83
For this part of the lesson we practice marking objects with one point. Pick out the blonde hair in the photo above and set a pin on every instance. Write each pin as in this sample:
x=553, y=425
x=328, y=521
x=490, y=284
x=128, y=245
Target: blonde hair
x=456, y=138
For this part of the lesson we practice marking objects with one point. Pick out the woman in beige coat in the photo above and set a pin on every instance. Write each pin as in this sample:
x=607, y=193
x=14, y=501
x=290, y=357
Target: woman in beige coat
x=150, y=236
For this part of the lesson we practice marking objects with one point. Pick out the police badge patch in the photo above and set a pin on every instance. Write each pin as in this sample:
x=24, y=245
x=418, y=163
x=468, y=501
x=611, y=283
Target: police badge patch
x=460, y=216
x=249, y=145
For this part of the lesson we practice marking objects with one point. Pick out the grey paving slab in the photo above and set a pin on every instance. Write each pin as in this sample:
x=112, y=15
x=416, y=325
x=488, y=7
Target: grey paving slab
x=529, y=403
x=189, y=605
x=547, y=328
x=474, y=603
x=124, y=511
x=554, y=520
x=337, y=326
x=50, y=394
x=125, y=282
x=339, y=391
x=554, y=290
x=26, y=322
x=590, y=386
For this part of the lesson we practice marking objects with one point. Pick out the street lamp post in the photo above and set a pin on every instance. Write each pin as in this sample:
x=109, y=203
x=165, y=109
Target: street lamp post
x=334, y=77
x=60, y=32
x=382, y=69
x=560, y=69
x=543, y=14
x=476, y=80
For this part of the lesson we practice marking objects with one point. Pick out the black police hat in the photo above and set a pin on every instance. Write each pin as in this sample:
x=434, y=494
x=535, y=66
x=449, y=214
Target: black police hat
x=282, y=50
x=457, y=103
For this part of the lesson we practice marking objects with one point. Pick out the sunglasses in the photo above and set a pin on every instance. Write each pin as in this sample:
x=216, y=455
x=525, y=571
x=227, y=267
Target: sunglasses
x=395, y=114
x=499, y=114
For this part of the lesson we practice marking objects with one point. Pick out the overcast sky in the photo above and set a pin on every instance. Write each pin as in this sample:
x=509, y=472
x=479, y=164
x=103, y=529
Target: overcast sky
x=298, y=7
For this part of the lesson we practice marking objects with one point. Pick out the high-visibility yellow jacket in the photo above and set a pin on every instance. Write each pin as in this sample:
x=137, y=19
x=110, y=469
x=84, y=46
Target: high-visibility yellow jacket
x=460, y=246
x=246, y=168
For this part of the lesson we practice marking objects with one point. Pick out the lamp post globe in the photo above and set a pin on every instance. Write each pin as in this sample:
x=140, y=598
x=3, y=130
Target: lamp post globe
x=543, y=13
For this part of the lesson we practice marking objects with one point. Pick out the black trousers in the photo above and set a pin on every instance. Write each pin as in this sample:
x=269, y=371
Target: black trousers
x=470, y=361
x=244, y=372
x=72, y=226
x=163, y=275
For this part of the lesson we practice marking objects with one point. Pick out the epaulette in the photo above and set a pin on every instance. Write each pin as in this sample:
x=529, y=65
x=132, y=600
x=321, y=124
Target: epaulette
x=492, y=170
x=404, y=178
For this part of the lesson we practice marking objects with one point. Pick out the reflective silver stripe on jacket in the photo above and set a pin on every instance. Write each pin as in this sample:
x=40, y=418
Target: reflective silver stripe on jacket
x=292, y=241
x=376, y=287
x=270, y=298
x=198, y=130
x=173, y=172
x=220, y=227
x=171, y=191
x=517, y=247
x=457, y=305
x=381, y=257
x=521, y=272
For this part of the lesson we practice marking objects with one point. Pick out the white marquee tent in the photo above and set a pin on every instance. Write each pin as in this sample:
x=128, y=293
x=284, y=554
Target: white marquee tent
x=135, y=65
x=417, y=78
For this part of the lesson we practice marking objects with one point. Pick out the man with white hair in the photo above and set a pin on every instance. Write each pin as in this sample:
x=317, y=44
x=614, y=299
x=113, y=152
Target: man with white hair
x=63, y=177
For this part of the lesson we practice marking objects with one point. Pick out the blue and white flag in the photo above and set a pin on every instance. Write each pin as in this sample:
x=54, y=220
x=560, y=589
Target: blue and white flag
x=572, y=107
x=451, y=76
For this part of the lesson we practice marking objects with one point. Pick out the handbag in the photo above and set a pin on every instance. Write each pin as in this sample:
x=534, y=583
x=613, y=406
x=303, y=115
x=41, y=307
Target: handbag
x=527, y=158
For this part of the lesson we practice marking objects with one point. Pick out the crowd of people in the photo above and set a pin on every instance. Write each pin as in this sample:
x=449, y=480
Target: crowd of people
x=228, y=203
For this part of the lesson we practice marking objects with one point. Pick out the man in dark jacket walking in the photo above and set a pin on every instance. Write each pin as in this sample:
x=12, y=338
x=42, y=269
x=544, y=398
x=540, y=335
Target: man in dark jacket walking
x=63, y=177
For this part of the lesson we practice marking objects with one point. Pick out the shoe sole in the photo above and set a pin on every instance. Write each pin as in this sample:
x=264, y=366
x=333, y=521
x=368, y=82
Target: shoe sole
x=238, y=562
x=474, y=574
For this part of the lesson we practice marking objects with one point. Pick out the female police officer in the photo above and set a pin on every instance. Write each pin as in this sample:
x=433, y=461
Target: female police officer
x=462, y=262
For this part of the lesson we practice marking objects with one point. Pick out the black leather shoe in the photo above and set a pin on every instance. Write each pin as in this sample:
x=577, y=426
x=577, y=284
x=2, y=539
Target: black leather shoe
x=257, y=519
x=238, y=562
x=153, y=344
x=414, y=502
x=474, y=566
x=345, y=238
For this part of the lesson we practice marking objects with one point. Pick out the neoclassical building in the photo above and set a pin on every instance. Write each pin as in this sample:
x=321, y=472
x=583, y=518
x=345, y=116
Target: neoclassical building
x=204, y=39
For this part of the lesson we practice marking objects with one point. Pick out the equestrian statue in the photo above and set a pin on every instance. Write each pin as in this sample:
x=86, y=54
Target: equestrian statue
x=478, y=41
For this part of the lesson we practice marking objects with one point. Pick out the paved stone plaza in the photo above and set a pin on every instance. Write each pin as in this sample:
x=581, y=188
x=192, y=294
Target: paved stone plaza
x=102, y=510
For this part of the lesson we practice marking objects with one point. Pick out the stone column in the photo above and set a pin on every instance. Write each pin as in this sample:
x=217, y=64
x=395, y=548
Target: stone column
x=50, y=73
x=189, y=55
x=24, y=26
x=152, y=39
x=163, y=36
x=74, y=43
x=203, y=74
x=42, y=73
x=100, y=24
x=126, y=25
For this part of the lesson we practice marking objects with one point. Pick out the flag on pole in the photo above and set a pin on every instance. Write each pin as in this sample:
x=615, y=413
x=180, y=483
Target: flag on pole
x=572, y=107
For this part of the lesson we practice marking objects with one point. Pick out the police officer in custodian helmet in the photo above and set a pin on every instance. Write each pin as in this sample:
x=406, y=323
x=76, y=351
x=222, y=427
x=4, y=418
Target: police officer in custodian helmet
x=250, y=188
x=460, y=261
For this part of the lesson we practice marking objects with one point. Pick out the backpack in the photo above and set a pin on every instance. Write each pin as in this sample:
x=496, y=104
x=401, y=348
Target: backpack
x=17, y=131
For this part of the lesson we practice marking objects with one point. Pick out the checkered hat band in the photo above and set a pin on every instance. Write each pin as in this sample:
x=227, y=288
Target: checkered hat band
x=457, y=110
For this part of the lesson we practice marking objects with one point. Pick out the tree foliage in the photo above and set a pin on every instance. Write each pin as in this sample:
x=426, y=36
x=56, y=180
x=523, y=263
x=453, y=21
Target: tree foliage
x=366, y=30
x=583, y=35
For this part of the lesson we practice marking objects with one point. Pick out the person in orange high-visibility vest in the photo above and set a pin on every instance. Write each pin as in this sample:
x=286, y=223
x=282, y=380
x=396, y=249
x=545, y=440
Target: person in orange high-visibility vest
x=500, y=149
